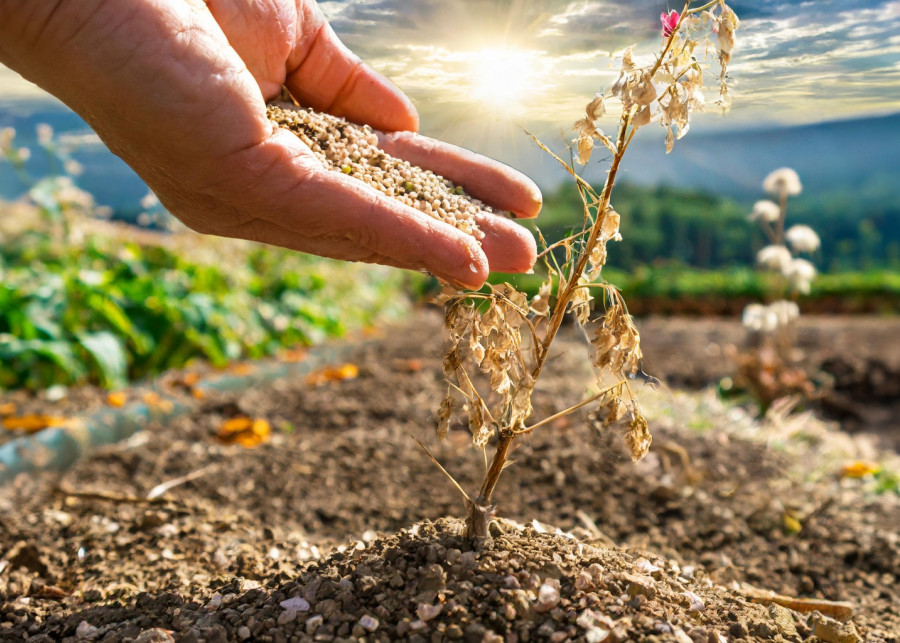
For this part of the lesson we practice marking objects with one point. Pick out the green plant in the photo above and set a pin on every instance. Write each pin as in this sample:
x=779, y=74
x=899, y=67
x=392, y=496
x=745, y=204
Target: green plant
x=84, y=300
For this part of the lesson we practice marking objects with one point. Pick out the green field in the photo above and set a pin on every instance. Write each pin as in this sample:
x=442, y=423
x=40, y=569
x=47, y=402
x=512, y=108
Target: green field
x=124, y=304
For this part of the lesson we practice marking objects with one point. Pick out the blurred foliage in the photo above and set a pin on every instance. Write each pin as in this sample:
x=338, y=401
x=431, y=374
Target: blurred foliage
x=688, y=252
x=84, y=300
x=125, y=304
x=666, y=225
x=676, y=288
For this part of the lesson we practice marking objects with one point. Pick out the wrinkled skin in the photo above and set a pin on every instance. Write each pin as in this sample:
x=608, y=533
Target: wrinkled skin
x=177, y=88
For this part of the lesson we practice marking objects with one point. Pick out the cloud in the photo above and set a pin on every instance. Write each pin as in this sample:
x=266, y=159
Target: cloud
x=15, y=87
x=836, y=60
x=791, y=54
x=795, y=60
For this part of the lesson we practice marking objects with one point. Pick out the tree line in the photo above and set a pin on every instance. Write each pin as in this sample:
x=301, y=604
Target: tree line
x=666, y=224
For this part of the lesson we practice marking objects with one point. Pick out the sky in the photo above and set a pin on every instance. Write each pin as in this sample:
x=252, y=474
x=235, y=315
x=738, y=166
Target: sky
x=481, y=71
x=795, y=62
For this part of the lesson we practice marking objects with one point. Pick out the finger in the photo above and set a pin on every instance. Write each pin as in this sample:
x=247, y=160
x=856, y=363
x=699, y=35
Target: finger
x=330, y=78
x=508, y=246
x=496, y=184
x=264, y=231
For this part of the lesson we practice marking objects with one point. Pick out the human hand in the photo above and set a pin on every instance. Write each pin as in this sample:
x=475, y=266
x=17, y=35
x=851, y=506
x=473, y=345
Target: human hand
x=177, y=88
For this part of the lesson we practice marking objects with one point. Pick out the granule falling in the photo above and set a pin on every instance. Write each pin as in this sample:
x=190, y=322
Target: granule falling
x=353, y=149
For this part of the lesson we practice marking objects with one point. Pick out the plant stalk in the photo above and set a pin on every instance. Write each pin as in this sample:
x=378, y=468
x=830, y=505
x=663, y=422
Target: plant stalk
x=481, y=510
x=562, y=302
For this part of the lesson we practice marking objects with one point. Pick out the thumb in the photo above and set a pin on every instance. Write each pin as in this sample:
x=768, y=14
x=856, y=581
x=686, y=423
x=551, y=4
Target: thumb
x=327, y=76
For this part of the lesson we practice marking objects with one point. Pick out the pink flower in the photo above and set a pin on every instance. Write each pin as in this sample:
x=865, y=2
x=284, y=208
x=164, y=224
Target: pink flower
x=669, y=22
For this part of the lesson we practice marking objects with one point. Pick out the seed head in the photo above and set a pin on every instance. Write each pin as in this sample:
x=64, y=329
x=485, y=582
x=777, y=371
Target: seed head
x=803, y=238
x=783, y=181
x=775, y=257
x=765, y=210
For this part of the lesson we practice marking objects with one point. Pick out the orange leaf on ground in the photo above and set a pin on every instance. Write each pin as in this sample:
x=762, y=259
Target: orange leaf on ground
x=153, y=400
x=190, y=379
x=410, y=365
x=198, y=393
x=243, y=369
x=234, y=425
x=333, y=374
x=244, y=431
x=7, y=409
x=859, y=469
x=33, y=423
x=117, y=399
x=294, y=355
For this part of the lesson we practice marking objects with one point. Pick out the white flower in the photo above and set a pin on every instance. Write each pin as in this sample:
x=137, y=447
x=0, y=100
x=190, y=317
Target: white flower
x=803, y=238
x=74, y=168
x=759, y=318
x=7, y=134
x=765, y=210
x=44, y=134
x=800, y=274
x=776, y=258
x=754, y=317
x=767, y=319
x=785, y=311
x=149, y=201
x=783, y=181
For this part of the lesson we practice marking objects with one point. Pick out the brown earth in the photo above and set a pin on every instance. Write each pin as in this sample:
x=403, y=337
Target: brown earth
x=335, y=529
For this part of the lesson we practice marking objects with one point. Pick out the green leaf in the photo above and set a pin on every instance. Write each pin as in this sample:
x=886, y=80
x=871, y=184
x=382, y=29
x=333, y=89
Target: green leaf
x=108, y=353
x=110, y=311
x=57, y=352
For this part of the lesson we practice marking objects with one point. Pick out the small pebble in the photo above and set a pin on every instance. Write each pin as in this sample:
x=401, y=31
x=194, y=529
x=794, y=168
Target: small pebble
x=368, y=623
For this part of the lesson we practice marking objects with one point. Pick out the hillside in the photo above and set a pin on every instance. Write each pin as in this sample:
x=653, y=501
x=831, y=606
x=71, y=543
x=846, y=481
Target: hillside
x=851, y=158
x=837, y=156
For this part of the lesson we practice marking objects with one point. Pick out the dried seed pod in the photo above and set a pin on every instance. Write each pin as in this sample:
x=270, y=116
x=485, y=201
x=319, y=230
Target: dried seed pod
x=638, y=437
x=444, y=414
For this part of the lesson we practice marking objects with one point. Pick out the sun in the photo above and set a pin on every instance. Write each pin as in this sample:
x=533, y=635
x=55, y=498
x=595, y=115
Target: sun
x=502, y=78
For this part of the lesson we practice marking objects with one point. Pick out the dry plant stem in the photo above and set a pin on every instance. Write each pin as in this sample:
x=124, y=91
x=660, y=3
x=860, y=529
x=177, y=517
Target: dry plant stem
x=782, y=203
x=571, y=409
x=559, y=310
x=481, y=510
x=161, y=489
x=110, y=496
x=585, y=250
x=839, y=610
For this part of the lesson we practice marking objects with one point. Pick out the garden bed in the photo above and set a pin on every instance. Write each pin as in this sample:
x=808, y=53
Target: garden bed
x=337, y=528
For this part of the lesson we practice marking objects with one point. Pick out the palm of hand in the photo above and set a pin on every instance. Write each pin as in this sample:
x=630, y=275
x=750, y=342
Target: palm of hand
x=177, y=88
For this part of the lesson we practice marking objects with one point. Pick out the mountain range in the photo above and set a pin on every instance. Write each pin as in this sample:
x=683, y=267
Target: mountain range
x=858, y=156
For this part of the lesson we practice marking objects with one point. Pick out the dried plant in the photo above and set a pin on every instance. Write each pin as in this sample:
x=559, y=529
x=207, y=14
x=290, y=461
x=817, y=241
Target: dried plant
x=500, y=340
x=769, y=366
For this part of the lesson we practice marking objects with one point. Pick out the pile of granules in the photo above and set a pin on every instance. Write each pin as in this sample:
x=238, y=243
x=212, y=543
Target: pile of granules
x=353, y=149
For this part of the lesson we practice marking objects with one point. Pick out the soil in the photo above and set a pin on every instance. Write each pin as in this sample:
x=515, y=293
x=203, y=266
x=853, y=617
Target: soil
x=340, y=528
